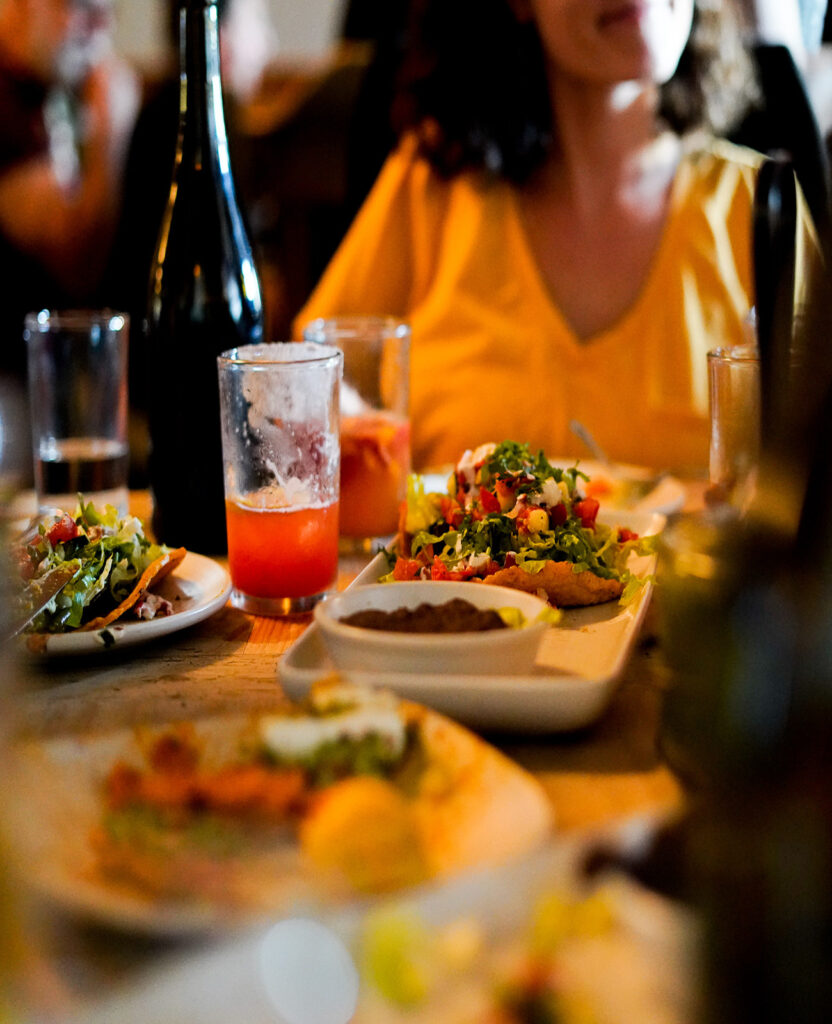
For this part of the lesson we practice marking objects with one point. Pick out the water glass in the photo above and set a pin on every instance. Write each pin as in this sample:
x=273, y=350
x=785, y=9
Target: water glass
x=375, y=424
x=78, y=398
x=734, y=389
x=279, y=415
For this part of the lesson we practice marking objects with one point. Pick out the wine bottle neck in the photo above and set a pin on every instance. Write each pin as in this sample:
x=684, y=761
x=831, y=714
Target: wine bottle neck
x=201, y=117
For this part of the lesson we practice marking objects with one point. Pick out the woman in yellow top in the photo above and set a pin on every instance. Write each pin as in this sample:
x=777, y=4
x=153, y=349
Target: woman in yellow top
x=561, y=242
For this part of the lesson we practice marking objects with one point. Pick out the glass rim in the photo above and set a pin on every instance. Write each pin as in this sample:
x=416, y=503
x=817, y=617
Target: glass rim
x=735, y=354
x=264, y=356
x=348, y=326
x=75, y=319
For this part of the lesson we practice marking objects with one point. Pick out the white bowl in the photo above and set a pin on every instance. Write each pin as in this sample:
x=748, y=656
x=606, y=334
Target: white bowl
x=500, y=651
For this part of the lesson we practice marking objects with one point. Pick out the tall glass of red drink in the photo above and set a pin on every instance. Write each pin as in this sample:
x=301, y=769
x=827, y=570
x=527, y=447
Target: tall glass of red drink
x=279, y=412
x=375, y=425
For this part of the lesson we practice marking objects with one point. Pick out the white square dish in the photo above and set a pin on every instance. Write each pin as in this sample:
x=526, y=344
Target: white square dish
x=578, y=664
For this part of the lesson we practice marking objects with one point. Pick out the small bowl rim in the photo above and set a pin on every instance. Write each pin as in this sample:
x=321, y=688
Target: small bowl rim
x=388, y=638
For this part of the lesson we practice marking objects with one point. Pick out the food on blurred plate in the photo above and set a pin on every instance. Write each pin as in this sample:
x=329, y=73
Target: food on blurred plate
x=566, y=955
x=375, y=457
x=370, y=792
x=512, y=519
x=115, y=564
x=625, y=490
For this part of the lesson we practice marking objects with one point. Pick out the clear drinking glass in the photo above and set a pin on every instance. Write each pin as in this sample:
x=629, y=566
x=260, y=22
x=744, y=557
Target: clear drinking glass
x=375, y=424
x=78, y=400
x=734, y=389
x=279, y=413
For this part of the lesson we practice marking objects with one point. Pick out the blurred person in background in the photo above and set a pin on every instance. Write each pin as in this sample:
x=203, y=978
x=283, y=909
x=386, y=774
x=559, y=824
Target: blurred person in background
x=793, y=73
x=561, y=223
x=67, y=107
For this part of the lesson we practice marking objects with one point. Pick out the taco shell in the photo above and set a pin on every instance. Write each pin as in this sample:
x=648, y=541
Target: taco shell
x=564, y=588
x=156, y=571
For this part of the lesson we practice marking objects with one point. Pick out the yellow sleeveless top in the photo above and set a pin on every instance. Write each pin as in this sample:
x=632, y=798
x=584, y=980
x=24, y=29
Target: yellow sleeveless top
x=492, y=356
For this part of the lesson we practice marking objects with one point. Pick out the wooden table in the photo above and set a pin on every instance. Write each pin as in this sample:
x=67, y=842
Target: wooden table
x=229, y=662
x=603, y=773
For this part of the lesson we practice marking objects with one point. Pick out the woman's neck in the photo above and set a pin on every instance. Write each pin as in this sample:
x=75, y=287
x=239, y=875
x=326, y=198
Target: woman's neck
x=606, y=141
x=595, y=213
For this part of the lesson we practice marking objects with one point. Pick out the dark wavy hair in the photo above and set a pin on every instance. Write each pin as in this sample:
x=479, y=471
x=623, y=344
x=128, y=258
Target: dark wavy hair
x=473, y=84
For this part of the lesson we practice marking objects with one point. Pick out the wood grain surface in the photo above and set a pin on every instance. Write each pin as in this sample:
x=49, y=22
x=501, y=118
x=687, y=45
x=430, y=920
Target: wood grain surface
x=229, y=663
x=597, y=777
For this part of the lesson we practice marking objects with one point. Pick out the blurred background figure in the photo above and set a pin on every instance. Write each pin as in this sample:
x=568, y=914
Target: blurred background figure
x=794, y=74
x=67, y=107
x=561, y=223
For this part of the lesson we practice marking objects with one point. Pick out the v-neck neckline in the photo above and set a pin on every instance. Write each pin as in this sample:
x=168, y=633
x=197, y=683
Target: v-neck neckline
x=649, y=282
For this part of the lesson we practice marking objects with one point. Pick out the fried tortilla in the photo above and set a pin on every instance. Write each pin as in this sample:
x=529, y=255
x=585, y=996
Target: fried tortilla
x=563, y=587
x=156, y=571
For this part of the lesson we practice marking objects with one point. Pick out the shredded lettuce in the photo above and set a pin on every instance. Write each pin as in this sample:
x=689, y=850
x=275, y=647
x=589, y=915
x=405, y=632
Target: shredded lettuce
x=467, y=534
x=111, y=552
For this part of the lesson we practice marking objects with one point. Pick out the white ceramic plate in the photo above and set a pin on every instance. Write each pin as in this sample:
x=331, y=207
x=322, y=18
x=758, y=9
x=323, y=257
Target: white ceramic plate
x=58, y=817
x=667, y=496
x=578, y=664
x=640, y=968
x=197, y=588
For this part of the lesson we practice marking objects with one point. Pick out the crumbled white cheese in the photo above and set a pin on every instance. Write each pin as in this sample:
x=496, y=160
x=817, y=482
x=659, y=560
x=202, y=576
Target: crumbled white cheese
x=550, y=493
x=476, y=562
x=466, y=468
x=343, y=695
x=297, y=737
x=347, y=712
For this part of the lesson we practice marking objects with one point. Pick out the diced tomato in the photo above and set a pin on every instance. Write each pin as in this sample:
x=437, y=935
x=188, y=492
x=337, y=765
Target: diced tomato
x=586, y=511
x=451, y=512
x=558, y=515
x=624, y=535
x=510, y=560
x=406, y=569
x=440, y=571
x=65, y=529
x=490, y=502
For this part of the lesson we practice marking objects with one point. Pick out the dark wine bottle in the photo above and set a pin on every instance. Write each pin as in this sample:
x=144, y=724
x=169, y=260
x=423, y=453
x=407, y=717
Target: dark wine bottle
x=204, y=298
x=756, y=667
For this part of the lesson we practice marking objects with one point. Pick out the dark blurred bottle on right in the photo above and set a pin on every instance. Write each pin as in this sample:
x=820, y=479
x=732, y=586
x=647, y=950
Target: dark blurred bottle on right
x=750, y=641
x=204, y=298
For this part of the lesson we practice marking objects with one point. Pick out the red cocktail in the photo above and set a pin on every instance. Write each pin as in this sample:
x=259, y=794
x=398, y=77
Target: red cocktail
x=375, y=460
x=282, y=552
